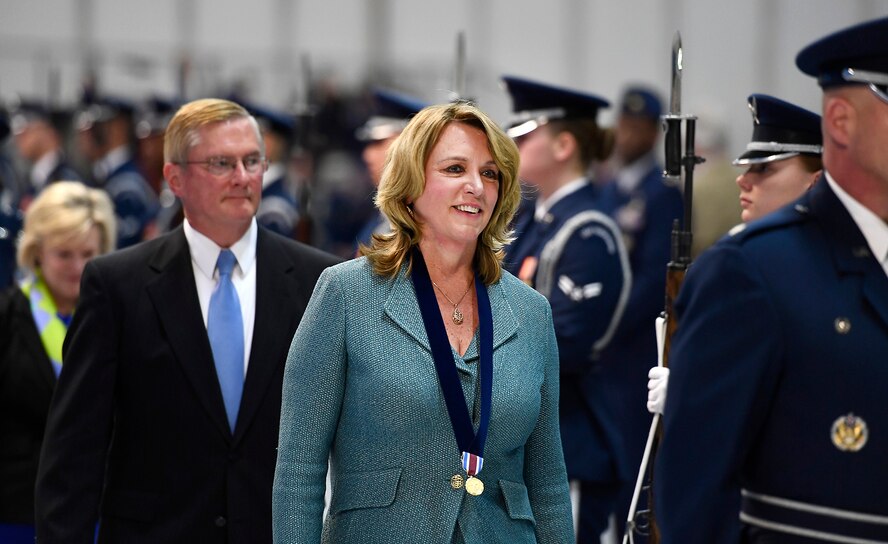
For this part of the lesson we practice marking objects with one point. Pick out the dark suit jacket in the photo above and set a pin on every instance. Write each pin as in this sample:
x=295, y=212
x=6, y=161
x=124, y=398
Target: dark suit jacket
x=26, y=382
x=137, y=434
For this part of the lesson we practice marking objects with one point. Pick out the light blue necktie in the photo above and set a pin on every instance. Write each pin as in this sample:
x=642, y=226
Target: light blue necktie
x=225, y=327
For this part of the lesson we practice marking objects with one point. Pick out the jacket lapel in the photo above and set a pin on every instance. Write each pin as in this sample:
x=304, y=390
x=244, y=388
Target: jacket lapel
x=281, y=297
x=402, y=308
x=175, y=300
x=850, y=251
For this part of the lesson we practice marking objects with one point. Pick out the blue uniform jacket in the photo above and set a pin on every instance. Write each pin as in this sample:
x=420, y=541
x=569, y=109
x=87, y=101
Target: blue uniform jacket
x=783, y=329
x=645, y=216
x=360, y=388
x=584, y=272
x=135, y=204
x=277, y=209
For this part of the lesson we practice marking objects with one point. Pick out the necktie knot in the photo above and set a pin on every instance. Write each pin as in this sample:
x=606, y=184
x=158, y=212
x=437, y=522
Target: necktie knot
x=225, y=263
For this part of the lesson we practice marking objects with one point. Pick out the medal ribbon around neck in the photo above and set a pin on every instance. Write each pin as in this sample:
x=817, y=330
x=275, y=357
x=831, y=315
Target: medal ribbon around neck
x=470, y=443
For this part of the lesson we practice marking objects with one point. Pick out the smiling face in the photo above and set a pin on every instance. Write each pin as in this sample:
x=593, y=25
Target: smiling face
x=768, y=186
x=219, y=206
x=461, y=188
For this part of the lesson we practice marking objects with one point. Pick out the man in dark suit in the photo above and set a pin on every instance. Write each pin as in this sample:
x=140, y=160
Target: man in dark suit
x=776, y=428
x=164, y=424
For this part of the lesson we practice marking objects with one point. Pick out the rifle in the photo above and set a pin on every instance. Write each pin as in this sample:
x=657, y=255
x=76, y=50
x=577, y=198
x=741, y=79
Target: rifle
x=644, y=522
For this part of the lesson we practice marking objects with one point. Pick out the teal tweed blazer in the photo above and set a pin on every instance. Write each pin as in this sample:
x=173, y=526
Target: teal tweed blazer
x=360, y=389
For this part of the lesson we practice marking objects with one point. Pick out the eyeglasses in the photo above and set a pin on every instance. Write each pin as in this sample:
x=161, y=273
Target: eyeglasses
x=225, y=166
x=876, y=81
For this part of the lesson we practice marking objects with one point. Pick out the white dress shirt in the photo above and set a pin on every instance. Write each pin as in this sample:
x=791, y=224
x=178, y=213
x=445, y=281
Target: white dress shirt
x=204, y=254
x=871, y=225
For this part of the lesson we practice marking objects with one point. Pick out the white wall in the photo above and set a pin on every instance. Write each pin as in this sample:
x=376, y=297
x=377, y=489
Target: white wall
x=732, y=48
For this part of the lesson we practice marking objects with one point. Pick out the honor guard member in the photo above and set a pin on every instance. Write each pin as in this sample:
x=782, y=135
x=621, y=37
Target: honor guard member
x=391, y=113
x=278, y=210
x=784, y=161
x=644, y=208
x=152, y=119
x=783, y=158
x=573, y=255
x=37, y=137
x=105, y=136
x=776, y=428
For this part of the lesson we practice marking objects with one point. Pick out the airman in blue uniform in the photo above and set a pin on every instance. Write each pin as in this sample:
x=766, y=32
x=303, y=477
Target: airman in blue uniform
x=776, y=428
x=106, y=137
x=278, y=209
x=38, y=140
x=574, y=255
x=391, y=112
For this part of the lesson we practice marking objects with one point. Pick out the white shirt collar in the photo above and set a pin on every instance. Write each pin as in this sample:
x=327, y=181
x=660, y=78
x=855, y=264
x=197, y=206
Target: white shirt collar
x=43, y=167
x=631, y=175
x=543, y=206
x=276, y=170
x=871, y=225
x=205, y=252
x=111, y=162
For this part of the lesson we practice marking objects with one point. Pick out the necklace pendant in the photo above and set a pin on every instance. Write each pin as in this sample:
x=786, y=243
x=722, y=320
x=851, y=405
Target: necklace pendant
x=457, y=316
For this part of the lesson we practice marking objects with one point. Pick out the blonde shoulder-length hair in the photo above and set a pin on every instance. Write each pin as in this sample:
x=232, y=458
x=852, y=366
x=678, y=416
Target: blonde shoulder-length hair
x=63, y=211
x=403, y=181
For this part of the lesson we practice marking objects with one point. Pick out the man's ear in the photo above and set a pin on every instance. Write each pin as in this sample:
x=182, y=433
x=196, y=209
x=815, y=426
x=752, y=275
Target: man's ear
x=839, y=119
x=172, y=173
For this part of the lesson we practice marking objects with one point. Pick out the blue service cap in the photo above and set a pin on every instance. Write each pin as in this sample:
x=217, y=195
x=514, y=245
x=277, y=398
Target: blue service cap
x=780, y=130
x=858, y=54
x=391, y=113
x=271, y=120
x=153, y=115
x=24, y=112
x=536, y=104
x=641, y=102
x=102, y=110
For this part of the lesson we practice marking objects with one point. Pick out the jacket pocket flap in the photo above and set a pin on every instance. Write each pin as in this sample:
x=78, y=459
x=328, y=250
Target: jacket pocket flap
x=517, y=501
x=365, y=489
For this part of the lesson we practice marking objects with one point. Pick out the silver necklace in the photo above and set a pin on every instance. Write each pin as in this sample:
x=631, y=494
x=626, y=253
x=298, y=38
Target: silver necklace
x=456, y=316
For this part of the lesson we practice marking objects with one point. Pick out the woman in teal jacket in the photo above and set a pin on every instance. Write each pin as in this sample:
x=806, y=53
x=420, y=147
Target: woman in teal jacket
x=423, y=369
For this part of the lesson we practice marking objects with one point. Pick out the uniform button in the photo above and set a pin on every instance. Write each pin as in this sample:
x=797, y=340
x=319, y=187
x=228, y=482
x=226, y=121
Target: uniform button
x=221, y=521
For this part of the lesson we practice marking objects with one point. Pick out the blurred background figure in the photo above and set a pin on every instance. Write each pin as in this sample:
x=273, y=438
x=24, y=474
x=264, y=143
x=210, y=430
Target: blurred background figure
x=644, y=208
x=573, y=255
x=390, y=115
x=10, y=215
x=65, y=226
x=105, y=140
x=716, y=207
x=278, y=209
x=151, y=119
x=38, y=141
x=783, y=157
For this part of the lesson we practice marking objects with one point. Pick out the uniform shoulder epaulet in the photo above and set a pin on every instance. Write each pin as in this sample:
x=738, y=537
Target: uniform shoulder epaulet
x=784, y=217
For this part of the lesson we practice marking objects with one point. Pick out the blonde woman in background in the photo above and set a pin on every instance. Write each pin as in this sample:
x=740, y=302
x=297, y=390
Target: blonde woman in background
x=66, y=225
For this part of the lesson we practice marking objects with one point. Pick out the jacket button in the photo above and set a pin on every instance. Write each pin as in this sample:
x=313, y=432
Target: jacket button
x=221, y=521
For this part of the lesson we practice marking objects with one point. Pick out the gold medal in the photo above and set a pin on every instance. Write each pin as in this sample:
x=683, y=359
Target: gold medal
x=474, y=486
x=456, y=481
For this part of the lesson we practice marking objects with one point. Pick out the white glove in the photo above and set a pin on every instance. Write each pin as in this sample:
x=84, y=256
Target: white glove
x=657, y=382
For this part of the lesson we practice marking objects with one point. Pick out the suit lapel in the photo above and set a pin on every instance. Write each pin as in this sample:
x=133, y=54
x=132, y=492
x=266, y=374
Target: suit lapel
x=402, y=308
x=850, y=251
x=281, y=297
x=172, y=291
